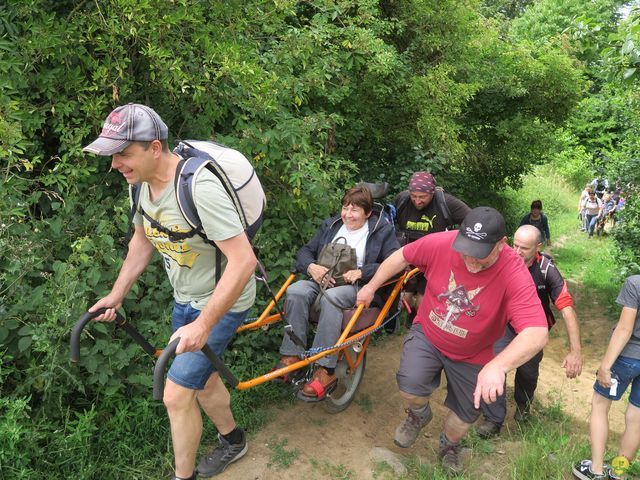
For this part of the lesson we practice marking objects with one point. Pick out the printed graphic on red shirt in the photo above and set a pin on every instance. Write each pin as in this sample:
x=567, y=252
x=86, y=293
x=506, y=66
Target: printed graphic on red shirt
x=453, y=303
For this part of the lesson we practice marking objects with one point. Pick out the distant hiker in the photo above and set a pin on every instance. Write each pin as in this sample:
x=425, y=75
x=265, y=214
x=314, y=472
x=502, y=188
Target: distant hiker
x=619, y=368
x=550, y=287
x=592, y=208
x=372, y=239
x=539, y=220
x=600, y=185
x=204, y=311
x=609, y=206
x=583, y=197
x=475, y=284
x=421, y=210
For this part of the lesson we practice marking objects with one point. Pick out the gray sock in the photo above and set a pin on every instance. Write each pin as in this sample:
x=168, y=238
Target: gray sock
x=422, y=412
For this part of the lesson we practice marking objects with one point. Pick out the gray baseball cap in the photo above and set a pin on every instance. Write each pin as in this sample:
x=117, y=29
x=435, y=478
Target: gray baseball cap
x=479, y=232
x=129, y=123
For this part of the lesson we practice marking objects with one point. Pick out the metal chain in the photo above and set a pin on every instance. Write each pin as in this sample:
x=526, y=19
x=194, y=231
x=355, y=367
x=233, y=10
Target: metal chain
x=316, y=350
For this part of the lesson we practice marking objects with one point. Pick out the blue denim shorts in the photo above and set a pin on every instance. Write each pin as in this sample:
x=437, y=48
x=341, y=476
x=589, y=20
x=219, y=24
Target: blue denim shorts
x=193, y=369
x=627, y=371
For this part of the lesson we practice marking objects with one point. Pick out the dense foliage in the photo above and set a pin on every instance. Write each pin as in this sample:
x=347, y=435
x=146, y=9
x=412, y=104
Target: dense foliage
x=319, y=94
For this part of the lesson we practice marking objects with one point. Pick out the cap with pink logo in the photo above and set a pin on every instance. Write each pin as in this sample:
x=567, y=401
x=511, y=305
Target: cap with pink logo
x=129, y=123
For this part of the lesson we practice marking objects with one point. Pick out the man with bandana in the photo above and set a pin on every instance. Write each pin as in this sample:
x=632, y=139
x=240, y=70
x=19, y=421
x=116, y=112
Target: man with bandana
x=476, y=285
x=420, y=211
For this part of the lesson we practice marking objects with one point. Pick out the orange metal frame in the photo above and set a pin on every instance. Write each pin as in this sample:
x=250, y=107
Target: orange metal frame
x=268, y=318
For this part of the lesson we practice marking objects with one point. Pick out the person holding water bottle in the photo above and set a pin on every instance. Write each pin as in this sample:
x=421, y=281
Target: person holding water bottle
x=619, y=368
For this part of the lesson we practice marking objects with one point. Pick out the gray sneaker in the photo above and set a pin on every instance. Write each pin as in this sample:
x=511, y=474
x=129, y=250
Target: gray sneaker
x=488, y=429
x=221, y=456
x=407, y=433
x=450, y=456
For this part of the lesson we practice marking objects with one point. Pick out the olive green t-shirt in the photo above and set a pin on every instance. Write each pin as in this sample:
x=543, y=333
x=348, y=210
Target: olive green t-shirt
x=190, y=263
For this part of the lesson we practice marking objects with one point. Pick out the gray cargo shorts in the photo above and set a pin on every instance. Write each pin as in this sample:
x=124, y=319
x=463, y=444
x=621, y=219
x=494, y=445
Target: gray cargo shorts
x=420, y=371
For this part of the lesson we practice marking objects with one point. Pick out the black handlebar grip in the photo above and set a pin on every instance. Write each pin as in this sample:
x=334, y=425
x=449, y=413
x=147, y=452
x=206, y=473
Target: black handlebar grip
x=220, y=367
x=170, y=351
x=79, y=326
x=161, y=366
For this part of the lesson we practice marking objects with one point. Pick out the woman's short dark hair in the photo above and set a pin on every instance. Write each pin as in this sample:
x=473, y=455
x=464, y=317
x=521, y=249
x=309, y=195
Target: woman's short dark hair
x=360, y=197
x=536, y=204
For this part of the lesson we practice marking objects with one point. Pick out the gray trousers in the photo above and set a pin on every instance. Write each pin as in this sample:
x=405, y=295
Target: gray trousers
x=298, y=302
x=526, y=382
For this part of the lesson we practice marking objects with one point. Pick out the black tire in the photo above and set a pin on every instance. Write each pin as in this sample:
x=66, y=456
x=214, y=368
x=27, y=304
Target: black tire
x=348, y=382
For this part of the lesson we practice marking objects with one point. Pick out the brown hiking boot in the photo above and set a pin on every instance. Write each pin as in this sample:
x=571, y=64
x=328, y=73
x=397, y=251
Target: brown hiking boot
x=488, y=429
x=449, y=455
x=407, y=433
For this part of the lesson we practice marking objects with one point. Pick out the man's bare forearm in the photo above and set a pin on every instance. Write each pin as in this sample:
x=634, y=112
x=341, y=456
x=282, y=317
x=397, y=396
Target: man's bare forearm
x=138, y=257
x=395, y=263
x=573, y=328
x=522, y=348
x=241, y=263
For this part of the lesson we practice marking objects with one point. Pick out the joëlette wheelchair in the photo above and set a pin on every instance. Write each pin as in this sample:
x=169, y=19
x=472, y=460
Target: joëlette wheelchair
x=358, y=325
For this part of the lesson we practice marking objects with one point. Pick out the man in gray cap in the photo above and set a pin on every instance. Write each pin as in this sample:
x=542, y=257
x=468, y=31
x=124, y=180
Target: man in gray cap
x=476, y=284
x=204, y=312
x=421, y=210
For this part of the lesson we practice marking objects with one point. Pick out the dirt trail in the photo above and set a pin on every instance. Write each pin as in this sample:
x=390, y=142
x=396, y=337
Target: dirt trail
x=338, y=446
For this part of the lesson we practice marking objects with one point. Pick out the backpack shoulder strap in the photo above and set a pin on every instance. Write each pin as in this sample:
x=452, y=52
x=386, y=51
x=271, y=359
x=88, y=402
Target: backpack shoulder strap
x=184, y=182
x=134, y=197
x=442, y=205
x=545, y=263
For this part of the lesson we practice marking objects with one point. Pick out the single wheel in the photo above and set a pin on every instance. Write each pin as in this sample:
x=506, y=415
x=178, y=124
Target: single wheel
x=348, y=382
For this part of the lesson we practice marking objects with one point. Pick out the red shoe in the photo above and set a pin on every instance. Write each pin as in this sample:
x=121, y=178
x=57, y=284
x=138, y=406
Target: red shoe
x=320, y=385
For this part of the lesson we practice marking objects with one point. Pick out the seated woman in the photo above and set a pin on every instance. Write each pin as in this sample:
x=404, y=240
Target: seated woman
x=538, y=219
x=373, y=239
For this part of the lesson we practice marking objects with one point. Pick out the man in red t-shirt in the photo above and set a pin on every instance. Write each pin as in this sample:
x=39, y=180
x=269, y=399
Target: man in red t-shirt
x=476, y=285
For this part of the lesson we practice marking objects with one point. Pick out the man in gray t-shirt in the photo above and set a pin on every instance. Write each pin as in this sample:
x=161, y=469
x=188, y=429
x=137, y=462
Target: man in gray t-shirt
x=204, y=311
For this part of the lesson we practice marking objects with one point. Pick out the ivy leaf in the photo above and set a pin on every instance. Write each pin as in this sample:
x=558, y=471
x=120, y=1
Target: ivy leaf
x=24, y=343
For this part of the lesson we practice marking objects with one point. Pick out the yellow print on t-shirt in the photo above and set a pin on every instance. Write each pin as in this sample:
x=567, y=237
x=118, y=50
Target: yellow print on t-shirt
x=423, y=225
x=180, y=251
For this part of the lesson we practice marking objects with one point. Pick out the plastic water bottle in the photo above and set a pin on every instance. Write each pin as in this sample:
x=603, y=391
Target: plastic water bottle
x=613, y=391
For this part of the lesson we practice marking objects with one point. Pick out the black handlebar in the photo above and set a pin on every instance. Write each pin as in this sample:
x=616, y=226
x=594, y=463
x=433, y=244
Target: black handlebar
x=170, y=351
x=163, y=358
x=120, y=322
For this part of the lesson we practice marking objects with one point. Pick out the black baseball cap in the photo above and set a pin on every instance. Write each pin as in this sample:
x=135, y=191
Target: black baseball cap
x=479, y=232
